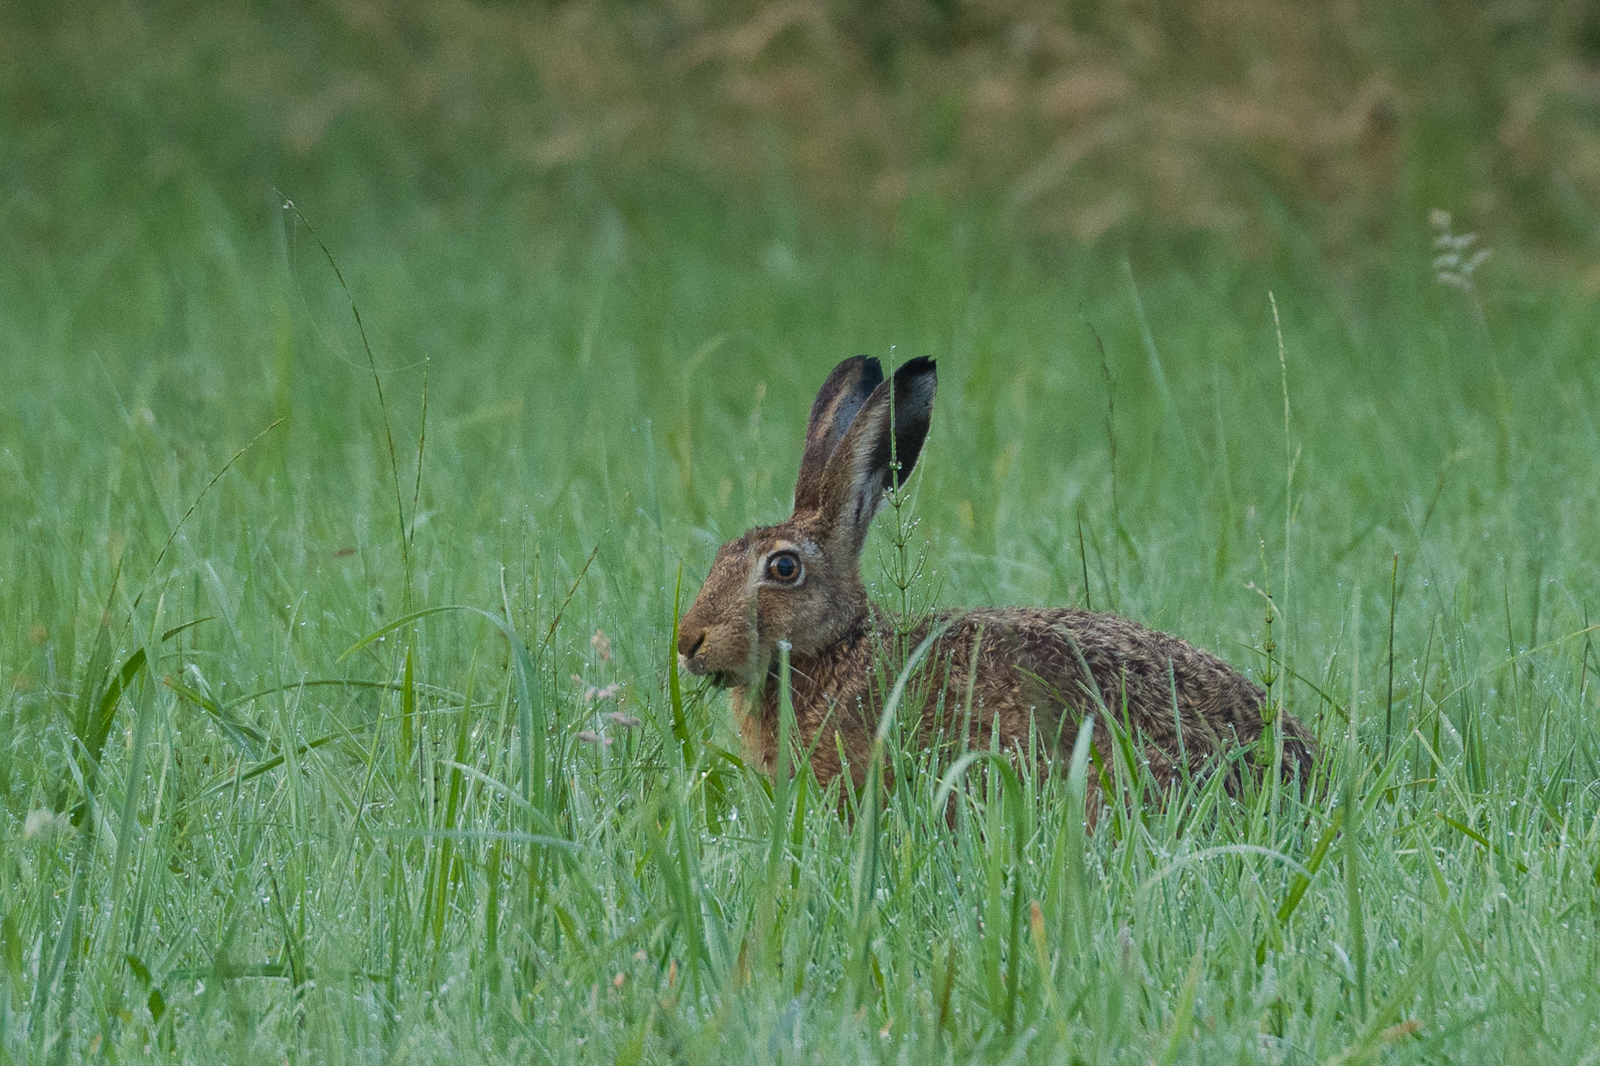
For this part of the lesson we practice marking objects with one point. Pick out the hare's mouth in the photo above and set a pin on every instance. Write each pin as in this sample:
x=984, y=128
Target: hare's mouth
x=722, y=679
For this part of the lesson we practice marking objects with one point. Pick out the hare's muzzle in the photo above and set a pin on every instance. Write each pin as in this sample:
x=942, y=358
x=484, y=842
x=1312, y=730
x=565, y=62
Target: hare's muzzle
x=692, y=661
x=689, y=645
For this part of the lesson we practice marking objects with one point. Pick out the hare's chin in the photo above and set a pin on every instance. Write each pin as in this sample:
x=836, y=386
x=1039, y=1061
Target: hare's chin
x=723, y=679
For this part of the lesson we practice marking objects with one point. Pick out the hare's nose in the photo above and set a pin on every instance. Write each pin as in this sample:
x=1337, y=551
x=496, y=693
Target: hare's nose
x=694, y=643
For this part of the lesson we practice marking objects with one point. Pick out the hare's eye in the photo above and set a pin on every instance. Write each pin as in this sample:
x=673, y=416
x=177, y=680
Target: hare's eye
x=784, y=568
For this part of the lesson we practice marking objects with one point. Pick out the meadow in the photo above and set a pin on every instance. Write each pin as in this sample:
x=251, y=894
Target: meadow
x=342, y=548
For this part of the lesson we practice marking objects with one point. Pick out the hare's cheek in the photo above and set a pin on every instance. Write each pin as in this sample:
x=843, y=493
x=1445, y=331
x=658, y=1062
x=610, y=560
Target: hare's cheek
x=777, y=620
x=740, y=645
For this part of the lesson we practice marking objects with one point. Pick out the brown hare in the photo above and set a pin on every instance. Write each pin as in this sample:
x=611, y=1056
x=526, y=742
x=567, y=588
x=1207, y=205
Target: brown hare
x=1038, y=671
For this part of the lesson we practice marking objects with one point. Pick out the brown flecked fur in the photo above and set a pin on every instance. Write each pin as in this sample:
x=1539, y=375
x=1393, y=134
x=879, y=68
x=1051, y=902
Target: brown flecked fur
x=1038, y=670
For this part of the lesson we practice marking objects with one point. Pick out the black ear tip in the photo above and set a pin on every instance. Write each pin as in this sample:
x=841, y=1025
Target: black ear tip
x=917, y=375
x=861, y=372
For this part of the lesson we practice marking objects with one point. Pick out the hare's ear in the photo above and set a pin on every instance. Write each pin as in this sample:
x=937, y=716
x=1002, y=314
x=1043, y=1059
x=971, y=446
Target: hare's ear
x=836, y=406
x=877, y=452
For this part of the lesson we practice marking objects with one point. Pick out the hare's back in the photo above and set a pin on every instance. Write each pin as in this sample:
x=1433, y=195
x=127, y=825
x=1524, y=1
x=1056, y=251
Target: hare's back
x=1038, y=660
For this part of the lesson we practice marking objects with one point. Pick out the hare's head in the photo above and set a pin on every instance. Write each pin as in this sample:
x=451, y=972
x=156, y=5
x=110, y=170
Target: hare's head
x=800, y=580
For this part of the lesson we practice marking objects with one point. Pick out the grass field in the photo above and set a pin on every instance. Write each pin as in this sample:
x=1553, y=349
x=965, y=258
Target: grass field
x=228, y=836
x=337, y=713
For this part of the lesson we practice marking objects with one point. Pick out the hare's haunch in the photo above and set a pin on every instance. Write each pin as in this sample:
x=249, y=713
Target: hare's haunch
x=1037, y=671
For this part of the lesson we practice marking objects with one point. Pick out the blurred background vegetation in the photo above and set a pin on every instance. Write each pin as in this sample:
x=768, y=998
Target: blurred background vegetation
x=1272, y=126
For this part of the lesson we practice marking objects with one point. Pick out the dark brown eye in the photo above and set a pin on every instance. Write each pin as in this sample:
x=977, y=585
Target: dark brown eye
x=784, y=568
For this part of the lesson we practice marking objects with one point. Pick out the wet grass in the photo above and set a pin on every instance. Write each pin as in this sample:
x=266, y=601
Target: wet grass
x=336, y=732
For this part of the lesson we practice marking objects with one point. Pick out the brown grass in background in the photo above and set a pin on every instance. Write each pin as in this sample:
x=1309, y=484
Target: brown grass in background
x=1238, y=119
